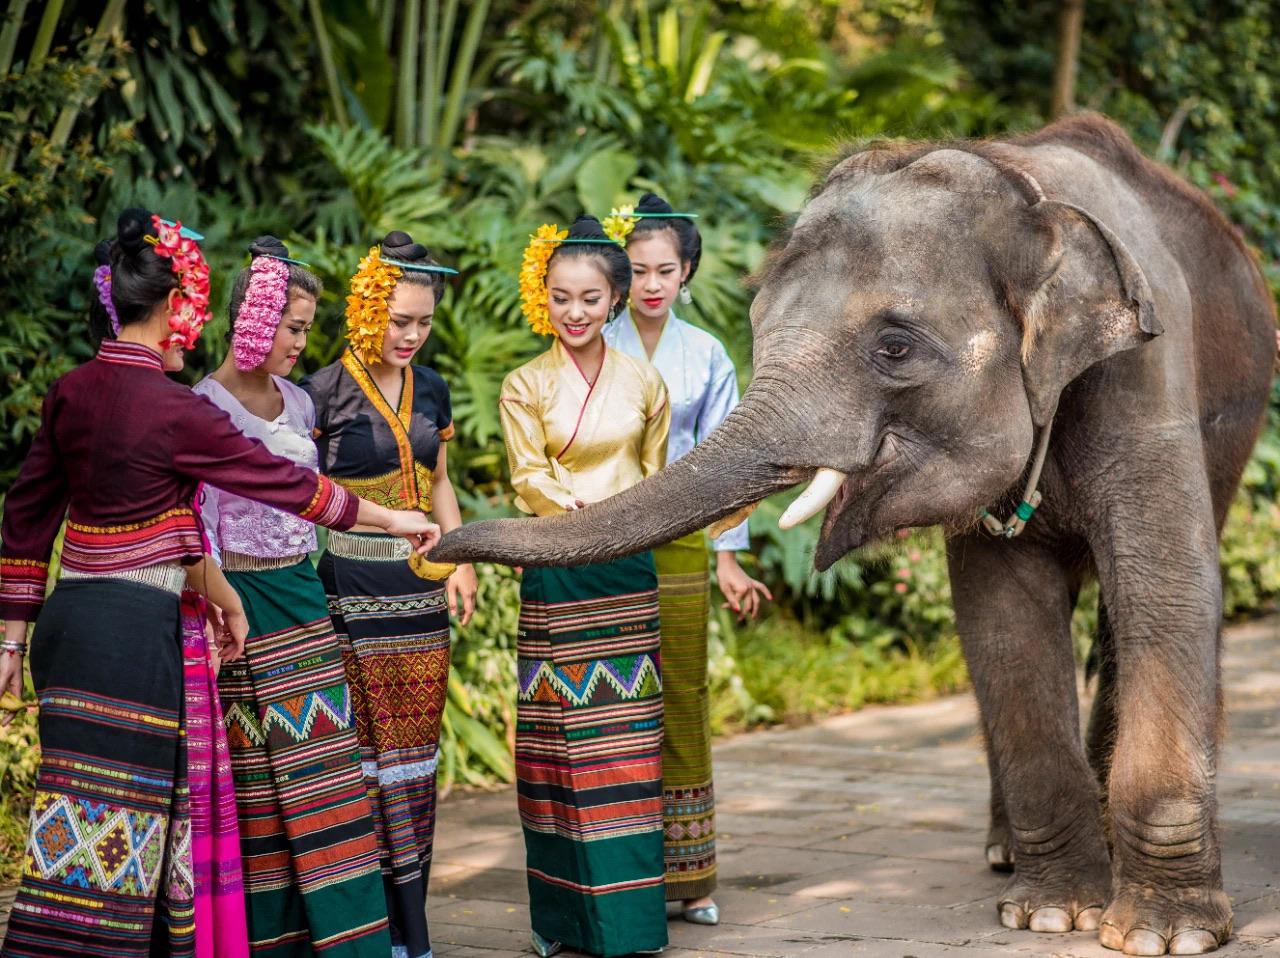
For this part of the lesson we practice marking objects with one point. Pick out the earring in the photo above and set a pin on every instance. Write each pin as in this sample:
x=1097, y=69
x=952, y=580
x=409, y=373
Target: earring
x=613, y=311
x=686, y=297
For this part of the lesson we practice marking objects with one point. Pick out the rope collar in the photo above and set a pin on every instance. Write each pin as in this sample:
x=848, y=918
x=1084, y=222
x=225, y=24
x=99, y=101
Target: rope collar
x=1031, y=497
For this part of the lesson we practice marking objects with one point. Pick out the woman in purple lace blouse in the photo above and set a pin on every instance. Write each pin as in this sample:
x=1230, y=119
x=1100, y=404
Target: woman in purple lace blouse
x=307, y=838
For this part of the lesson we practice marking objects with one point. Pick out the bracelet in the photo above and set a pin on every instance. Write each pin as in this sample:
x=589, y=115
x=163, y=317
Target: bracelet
x=13, y=648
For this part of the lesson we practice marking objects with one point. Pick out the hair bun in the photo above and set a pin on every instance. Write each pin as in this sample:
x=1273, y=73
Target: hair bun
x=268, y=246
x=400, y=245
x=102, y=253
x=653, y=203
x=587, y=227
x=132, y=229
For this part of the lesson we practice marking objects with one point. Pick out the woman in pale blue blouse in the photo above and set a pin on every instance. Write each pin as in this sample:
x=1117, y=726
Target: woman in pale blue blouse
x=664, y=248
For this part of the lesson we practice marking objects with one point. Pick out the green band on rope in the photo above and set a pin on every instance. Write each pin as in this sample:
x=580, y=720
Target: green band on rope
x=603, y=241
x=1025, y=511
x=420, y=267
x=286, y=259
x=184, y=231
x=665, y=216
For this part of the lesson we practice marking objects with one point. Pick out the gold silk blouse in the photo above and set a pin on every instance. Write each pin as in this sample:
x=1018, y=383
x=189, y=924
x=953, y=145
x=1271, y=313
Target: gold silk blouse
x=570, y=439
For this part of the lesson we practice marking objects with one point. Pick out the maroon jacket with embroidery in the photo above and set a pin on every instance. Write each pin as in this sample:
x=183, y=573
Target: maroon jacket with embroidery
x=120, y=452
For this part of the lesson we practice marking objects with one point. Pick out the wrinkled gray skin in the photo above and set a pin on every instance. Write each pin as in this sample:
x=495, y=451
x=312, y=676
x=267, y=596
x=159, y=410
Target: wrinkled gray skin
x=928, y=314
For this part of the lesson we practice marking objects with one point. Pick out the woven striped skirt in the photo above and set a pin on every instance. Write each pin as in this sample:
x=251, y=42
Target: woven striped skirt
x=107, y=870
x=311, y=874
x=688, y=799
x=220, y=930
x=588, y=755
x=394, y=629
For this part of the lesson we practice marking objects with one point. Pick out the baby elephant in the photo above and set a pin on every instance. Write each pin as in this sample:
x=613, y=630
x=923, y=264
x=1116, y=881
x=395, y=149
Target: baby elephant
x=1050, y=320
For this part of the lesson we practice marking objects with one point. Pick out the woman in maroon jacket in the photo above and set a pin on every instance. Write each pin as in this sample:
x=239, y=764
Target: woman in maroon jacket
x=120, y=452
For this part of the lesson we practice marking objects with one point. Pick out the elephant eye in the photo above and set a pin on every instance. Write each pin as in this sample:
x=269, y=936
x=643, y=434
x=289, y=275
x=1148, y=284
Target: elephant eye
x=894, y=349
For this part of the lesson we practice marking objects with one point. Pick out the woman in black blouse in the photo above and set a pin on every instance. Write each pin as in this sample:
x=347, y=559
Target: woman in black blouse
x=382, y=428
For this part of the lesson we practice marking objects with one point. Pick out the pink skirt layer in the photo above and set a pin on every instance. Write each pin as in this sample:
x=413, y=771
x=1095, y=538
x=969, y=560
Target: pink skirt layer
x=221, y=930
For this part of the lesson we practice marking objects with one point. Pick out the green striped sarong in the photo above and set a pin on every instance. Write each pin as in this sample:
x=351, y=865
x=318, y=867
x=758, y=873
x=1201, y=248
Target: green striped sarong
x=311, y=877
x=588, y=758
x=688, y=800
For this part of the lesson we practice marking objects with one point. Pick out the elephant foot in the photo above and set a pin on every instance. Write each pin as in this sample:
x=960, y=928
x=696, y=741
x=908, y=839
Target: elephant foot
x=999, y=847
x=1054, y=907
x=1186, y=922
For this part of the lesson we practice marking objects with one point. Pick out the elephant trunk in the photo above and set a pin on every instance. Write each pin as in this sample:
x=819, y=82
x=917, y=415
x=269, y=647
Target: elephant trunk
x=731, y=470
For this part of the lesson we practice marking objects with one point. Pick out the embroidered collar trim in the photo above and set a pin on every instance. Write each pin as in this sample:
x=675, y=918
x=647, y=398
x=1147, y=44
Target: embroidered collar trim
x=129, y=354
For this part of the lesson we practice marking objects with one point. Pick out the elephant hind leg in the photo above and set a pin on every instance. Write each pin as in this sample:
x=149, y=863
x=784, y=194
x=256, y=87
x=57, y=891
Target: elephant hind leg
x=999, y=848
x=1100, y=739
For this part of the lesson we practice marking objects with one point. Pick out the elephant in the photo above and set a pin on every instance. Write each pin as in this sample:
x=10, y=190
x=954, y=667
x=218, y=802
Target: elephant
x=953, y=331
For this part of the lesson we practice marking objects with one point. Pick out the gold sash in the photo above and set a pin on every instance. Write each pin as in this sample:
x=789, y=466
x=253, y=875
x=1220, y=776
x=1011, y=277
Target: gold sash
x=398, y=421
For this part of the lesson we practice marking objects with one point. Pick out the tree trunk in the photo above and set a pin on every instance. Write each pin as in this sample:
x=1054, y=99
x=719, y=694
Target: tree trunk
x=109, y=23
x=1070, y=23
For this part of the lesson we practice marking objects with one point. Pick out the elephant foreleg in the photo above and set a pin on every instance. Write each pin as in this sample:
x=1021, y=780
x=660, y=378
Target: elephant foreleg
x=1159, y=572
x=1013, y=606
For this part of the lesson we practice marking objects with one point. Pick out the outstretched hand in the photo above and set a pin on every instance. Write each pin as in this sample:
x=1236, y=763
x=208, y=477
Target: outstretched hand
x=742, y=593
x=422, y=533
x=460, y=591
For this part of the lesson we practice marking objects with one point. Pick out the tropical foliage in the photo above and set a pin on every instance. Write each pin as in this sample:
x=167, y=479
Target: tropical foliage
x=329, y=122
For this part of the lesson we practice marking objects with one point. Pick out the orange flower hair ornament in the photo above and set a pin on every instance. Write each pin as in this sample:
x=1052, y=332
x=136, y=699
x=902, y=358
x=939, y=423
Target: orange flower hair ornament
x=368, y=313
x=533, y=273
x=533, y=277
x=368, y=309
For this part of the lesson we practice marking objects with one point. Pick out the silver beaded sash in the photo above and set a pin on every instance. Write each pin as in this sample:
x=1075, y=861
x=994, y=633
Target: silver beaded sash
x=167, y=576
x=240, y=562
x=378, y=548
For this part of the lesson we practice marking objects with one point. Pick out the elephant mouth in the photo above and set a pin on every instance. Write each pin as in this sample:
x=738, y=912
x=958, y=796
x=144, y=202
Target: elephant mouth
x=840, y=533
x=847, y=523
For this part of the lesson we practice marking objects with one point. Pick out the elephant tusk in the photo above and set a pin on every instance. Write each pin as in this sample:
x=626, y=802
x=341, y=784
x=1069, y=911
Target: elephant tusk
x=821, y=490
x=719, y=528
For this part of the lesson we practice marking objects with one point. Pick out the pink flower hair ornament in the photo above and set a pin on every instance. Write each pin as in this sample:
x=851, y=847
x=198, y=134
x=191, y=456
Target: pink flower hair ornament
x=189, y=303
x=264, y=303
x=102, y=280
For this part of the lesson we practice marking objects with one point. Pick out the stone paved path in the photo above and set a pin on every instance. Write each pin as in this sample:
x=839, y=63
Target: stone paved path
x=863, y=835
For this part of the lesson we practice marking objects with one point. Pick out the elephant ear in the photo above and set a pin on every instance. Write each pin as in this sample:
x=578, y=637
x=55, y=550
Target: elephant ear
x=1081, y=297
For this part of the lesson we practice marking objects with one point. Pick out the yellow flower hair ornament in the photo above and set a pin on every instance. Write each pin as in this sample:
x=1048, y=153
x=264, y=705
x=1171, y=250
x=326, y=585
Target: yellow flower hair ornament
x=533, y=277
x=619, y=223
x=368, y=313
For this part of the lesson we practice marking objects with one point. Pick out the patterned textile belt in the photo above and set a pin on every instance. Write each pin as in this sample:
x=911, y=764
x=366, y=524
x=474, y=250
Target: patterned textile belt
x=167, y=576
x=239, y=562
x=379, y=548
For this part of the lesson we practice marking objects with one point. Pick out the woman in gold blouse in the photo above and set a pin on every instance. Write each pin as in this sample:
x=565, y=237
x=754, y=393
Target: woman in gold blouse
x=583, y=422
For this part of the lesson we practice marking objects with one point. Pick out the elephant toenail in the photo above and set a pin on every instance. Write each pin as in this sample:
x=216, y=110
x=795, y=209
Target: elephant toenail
x=1089, y=918
x=1051, y=919
x=1144, y=941
x=1109, y=936
x=1011, y=916
x=999, y=859
x=1194, y=942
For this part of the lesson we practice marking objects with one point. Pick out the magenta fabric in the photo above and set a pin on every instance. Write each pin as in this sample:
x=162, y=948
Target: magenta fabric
x=221, y=929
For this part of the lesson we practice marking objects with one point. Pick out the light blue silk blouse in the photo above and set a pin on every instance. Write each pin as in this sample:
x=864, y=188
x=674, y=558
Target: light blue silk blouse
x=701, y=383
